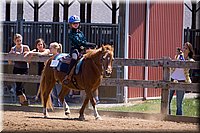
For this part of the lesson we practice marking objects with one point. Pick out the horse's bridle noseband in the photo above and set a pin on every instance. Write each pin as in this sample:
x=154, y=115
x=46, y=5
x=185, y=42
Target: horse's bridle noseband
x=108, y=70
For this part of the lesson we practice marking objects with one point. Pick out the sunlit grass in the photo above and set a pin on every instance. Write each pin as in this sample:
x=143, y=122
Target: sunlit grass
x=190, y=107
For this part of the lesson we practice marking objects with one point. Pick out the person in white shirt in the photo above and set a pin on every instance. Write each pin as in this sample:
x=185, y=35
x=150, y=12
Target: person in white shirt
x=181, y=75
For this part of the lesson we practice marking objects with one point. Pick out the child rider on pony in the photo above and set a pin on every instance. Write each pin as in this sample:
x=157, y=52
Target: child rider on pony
x=78, y=44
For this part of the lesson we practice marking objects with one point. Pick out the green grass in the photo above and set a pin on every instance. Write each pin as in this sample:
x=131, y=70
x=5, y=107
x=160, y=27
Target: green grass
x=190, y=107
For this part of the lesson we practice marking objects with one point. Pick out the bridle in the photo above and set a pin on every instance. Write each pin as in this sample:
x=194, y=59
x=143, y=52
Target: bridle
x=106, y=62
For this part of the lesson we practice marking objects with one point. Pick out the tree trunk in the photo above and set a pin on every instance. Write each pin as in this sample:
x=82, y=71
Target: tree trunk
x=89, y=3
x=56, y=11
x=8, y=10
x=82, y=11
x=65, y=10
x=114, y=12
x=193, y=14
x=36, y=10
x=20, y=10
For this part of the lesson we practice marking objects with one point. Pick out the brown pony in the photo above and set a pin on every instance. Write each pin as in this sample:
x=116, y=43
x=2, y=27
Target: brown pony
x=95, y=63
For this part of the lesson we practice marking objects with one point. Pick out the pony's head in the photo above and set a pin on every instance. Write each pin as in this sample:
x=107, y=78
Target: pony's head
x=107, y=59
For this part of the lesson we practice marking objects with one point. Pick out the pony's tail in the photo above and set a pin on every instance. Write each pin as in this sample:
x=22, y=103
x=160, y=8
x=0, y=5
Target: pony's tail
x=44, y=88
x=38, y=93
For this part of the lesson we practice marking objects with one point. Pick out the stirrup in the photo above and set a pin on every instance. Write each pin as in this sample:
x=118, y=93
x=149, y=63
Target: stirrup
x=69, y=76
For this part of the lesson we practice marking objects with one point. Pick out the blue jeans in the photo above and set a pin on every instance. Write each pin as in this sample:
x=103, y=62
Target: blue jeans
x=54, y=95
x=179, y=101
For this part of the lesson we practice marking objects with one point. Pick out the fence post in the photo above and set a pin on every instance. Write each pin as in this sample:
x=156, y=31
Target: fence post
x=119, y=92
x=165, y=89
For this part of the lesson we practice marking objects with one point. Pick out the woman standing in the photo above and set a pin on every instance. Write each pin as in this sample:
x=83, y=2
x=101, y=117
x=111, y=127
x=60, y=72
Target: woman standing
x=181, y=75
x=20, y=67
x=56, y=48
x=40, y=49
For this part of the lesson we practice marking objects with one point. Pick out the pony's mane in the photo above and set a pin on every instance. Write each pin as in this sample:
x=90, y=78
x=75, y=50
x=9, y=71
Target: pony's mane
x=92, y=52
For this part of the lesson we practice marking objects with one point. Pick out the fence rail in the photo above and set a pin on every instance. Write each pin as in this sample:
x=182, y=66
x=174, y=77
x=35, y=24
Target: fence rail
x=113, y=82
x=165, y=84
x=163, y=62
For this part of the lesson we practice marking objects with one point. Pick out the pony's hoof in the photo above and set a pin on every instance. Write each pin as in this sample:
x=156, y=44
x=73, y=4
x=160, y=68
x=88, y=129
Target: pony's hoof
x=68, y=116
x=67, y=113
x=98, y=118
x=82, y=118
x=45, y=116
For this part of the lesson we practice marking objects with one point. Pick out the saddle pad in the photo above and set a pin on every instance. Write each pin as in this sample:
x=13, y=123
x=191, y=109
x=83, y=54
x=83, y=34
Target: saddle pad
x=78, y=66
x=57, y=59
x=58, y=56
x=54, y=63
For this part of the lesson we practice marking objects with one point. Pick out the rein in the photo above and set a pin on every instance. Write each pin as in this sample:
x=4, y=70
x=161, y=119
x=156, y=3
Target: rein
x=101, y=62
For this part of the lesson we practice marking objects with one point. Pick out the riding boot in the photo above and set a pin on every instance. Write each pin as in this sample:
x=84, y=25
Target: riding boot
x=67, y=79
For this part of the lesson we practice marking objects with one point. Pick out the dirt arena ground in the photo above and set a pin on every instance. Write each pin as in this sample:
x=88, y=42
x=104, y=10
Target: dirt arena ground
x=30, y=120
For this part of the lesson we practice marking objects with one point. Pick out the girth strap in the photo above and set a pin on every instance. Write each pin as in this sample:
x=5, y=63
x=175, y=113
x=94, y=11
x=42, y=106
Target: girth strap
x=74, y=82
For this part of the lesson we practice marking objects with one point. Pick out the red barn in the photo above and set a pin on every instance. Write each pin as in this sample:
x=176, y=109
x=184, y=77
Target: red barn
x=155, y=31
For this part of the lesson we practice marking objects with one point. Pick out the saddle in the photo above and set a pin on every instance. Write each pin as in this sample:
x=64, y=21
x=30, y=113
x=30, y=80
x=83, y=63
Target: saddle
x=61, y=63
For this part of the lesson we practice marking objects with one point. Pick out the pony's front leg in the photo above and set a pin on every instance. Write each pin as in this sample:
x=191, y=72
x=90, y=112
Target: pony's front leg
x=81, y=112
x=62, y=94
x=96, y=114
x=66, y=108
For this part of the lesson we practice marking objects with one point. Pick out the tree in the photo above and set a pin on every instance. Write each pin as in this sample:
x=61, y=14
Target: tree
x=66, y=6
x=36, y=8
x=114, y=10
